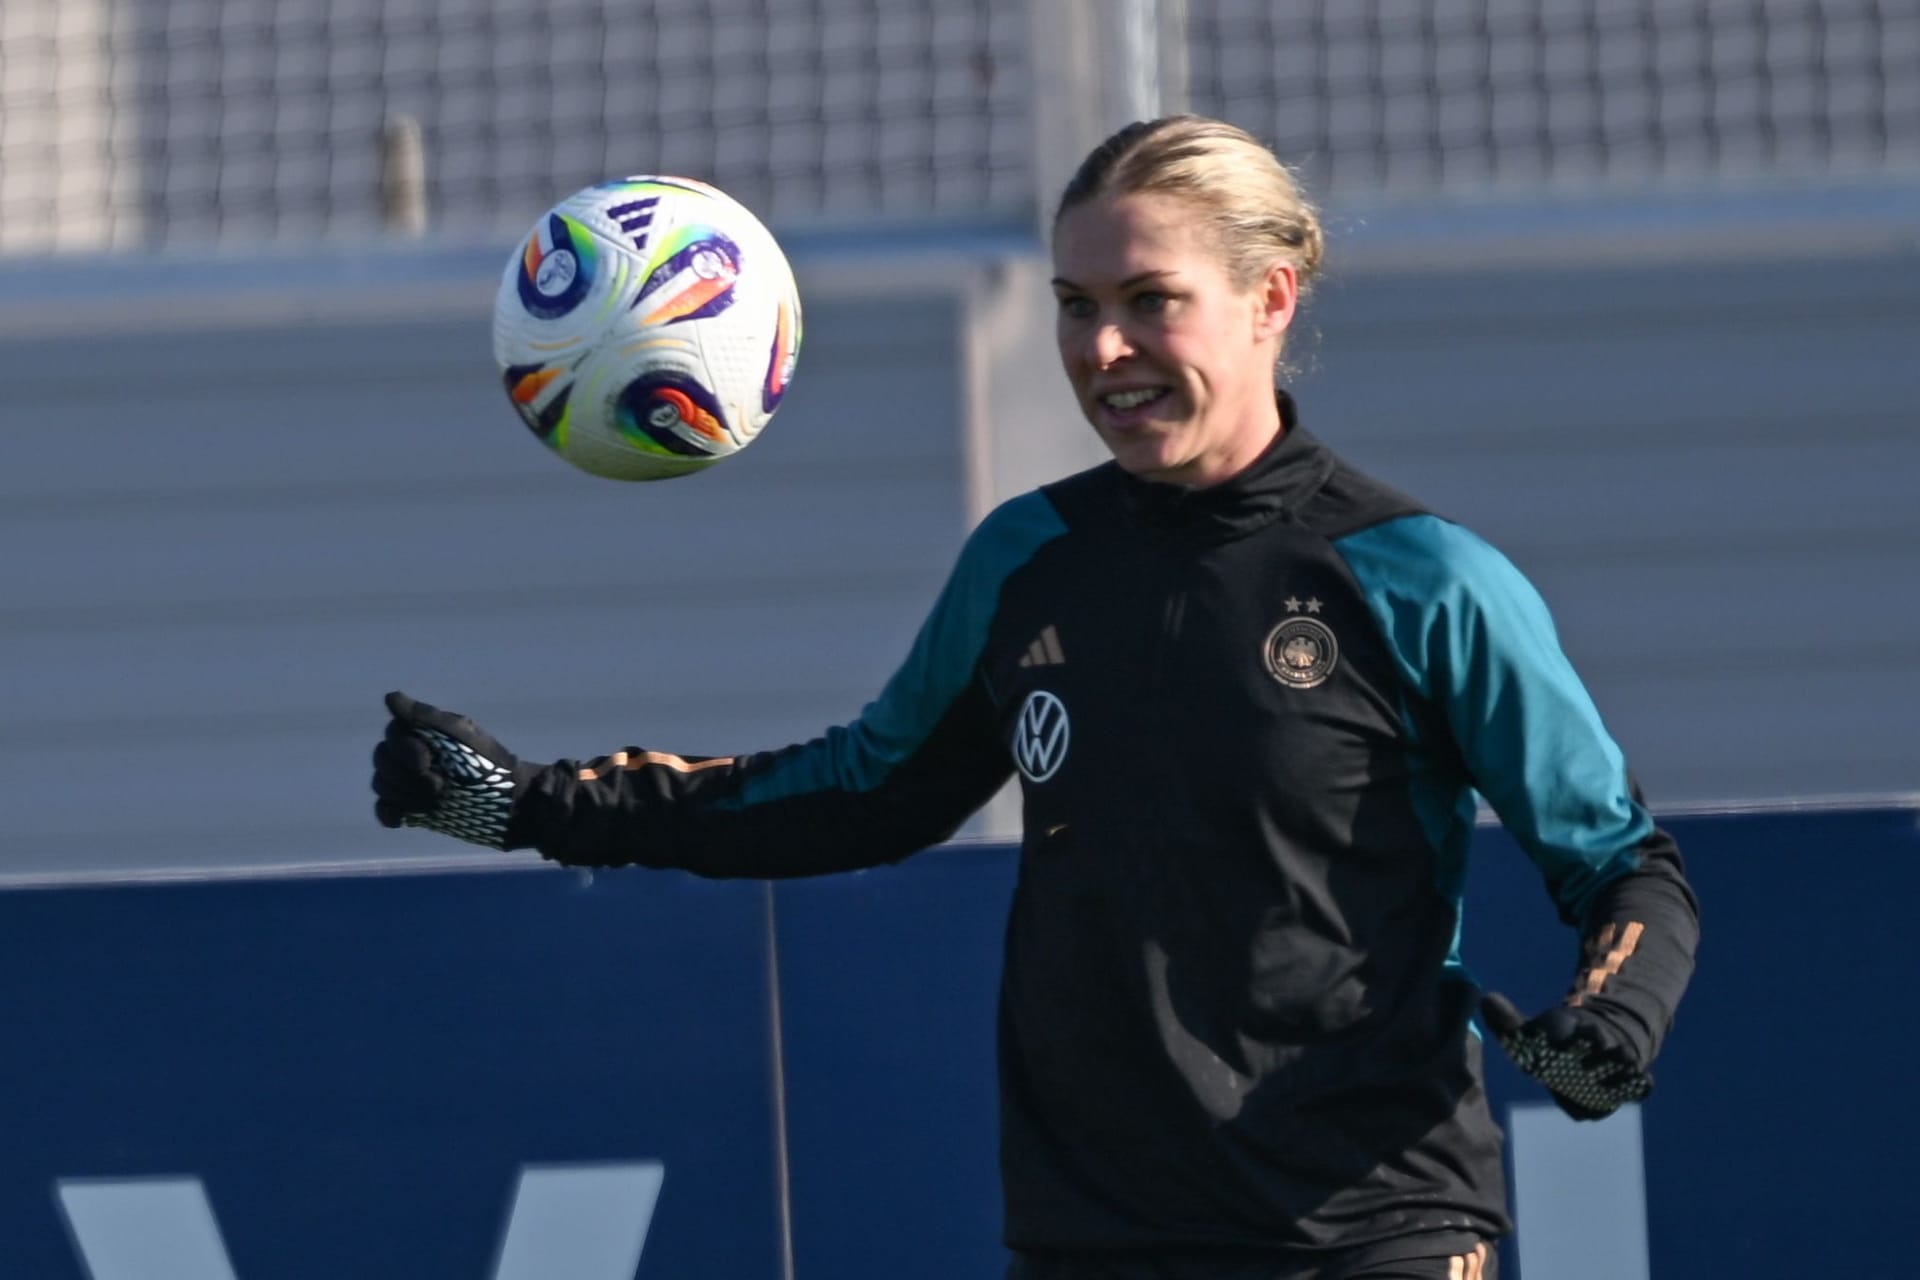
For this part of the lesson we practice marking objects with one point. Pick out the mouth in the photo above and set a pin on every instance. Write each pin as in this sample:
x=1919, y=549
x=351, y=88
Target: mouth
x=1130, y=405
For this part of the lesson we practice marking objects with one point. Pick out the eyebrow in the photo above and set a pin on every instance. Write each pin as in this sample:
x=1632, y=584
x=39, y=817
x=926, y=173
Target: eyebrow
x=1062, y=282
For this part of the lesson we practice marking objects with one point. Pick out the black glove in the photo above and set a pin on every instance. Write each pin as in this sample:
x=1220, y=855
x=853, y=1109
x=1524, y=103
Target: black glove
x=441, y=771
x=1584, y=1063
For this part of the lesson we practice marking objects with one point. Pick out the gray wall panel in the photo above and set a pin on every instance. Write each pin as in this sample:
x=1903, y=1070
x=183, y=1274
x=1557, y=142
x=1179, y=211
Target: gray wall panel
x=229, y=542
x=1707, y=467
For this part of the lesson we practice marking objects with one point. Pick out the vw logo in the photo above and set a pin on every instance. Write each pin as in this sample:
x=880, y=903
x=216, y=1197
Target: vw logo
x=1040, y=736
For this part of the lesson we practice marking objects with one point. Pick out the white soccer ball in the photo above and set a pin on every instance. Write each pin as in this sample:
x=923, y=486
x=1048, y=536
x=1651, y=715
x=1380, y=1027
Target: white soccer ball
x=647, y=328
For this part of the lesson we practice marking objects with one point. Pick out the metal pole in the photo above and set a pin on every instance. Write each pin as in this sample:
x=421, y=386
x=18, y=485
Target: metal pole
x=1098, y=65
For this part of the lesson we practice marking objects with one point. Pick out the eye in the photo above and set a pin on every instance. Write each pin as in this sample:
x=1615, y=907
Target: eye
x=1075, y=307
x=1151, y=301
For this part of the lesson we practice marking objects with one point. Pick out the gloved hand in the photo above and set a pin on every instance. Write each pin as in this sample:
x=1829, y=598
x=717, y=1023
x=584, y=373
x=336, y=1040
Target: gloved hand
x=441, y=771
x=1583, y=1062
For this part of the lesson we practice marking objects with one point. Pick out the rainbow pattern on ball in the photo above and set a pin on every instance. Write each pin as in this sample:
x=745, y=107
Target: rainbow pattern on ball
x=780, y=361
x=691, y=277
x=557, y=267
x=539, y=392
x=669, y=413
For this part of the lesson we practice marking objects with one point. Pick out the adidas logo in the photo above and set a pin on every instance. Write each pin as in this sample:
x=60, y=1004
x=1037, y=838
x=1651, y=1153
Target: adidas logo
x=635, y=217
x=1045, y=650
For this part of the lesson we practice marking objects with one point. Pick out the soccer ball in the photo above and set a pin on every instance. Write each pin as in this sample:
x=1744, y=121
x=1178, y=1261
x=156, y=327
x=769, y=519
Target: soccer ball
x=647, y=328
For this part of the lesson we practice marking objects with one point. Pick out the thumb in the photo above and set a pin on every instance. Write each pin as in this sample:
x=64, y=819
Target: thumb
x=1502, y=1017
x=422, y=717
x=416, y=714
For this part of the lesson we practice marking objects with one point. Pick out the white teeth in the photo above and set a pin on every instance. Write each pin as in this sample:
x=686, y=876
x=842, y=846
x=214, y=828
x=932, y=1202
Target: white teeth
x=1128, y=399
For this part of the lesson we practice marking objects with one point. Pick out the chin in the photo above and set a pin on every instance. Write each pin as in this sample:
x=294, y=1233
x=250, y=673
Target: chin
x=1146, y=464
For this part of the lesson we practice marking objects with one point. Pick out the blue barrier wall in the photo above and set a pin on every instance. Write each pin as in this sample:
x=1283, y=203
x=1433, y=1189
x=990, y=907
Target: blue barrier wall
x=357, y=1068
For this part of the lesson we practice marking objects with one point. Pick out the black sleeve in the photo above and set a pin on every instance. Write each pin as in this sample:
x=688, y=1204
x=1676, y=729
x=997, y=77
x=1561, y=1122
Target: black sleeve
x=807, y=809
x=1637, y=946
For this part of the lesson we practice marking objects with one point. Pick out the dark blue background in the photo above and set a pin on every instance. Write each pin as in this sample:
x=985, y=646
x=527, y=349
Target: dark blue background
x=357, y=1067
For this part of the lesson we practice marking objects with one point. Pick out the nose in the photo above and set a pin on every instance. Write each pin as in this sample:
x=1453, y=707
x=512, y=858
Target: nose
x=1108, y=345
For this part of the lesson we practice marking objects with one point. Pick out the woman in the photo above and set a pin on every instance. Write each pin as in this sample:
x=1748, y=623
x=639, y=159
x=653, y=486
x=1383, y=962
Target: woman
x=1251, y=694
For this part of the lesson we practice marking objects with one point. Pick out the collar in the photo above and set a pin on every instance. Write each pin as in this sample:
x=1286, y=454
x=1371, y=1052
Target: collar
x=1291, y=469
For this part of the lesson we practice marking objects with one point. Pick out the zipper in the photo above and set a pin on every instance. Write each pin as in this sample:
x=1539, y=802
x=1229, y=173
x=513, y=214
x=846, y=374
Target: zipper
x=1164, y=547
x=1173, y=614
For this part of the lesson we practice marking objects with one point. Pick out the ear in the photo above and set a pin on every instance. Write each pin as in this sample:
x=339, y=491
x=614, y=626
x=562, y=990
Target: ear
x=1275, y=295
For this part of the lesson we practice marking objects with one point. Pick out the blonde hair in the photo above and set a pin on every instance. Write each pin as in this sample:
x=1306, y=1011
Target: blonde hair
x=1249, y=200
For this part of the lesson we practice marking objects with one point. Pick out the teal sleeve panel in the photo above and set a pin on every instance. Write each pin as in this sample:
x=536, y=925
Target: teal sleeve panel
x=858, y=757
x=1474, y=639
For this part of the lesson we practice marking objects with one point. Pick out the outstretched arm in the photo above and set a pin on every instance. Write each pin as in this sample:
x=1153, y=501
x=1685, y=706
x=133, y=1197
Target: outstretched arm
x=767, y=815
x=838, y=803
x=920, y=758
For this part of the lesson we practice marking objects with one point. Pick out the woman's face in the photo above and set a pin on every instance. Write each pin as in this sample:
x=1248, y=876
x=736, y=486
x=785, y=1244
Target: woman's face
x=1171, y=361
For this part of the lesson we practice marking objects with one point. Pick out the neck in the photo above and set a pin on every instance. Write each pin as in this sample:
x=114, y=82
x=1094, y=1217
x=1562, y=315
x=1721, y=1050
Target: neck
x=1246, y=445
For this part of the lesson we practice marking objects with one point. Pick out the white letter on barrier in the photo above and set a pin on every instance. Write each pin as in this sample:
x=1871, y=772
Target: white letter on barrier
x=567, y=1222
x=1580, y=1195
x=144, y=1228
x=579, y=1222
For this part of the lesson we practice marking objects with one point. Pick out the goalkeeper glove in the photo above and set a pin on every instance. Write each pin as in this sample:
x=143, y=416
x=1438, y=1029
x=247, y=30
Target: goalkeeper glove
x=1587, y=1066
x=441, y=771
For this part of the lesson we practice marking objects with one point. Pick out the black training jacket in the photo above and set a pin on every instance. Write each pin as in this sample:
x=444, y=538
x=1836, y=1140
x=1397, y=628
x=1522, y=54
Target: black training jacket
x=1250, y=722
